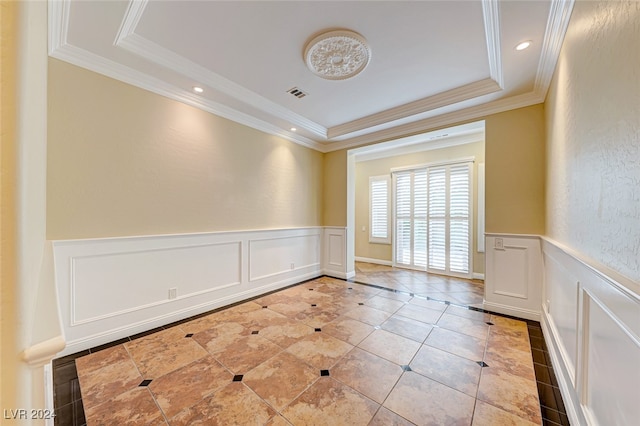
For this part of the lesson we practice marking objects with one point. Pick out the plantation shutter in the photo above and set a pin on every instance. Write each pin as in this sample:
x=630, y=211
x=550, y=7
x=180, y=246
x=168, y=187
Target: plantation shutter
x=420, y=218
x=403, y=218
x=433, y=218
x=459, y=211
x=437, y=218
x=449, y=218
x=379, y=209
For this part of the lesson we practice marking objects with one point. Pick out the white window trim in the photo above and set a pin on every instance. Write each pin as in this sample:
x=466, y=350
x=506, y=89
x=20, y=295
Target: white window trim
x=387, y=180
x=433, y=164
x=480, y=180
x=413, y=168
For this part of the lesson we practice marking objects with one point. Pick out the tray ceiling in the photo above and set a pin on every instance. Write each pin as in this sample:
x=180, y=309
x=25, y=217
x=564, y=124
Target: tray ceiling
x=432, y=63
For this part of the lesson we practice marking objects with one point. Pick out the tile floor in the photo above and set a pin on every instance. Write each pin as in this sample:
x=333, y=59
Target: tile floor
x=326, y=351
x=438, y=287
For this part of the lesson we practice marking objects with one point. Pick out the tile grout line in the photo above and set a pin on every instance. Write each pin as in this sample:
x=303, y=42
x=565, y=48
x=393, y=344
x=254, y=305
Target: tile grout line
x=441, y=313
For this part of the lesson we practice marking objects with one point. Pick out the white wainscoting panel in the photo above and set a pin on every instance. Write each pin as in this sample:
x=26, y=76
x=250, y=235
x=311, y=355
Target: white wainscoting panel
x=275, y=256
x=115, y=287
x=591, y=324
x=101, y=284
x=562, y=287
x=335, y=252
x=513, y=277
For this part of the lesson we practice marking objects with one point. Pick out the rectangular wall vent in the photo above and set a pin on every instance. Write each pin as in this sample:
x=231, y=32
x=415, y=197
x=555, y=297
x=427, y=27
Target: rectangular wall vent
x=297, y=92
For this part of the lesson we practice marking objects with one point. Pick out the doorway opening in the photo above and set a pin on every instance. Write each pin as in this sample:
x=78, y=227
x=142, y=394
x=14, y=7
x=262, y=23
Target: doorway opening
x=417, y=204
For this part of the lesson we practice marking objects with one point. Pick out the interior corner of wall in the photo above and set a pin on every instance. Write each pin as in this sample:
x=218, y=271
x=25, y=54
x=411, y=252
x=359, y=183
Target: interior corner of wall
x=46, y=322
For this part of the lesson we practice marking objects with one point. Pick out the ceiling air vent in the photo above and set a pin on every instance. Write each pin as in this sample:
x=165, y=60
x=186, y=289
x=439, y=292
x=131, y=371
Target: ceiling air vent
x=297, y=92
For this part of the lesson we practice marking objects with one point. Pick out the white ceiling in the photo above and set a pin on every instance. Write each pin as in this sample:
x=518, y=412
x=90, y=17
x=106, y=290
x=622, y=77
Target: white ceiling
x=433, y=63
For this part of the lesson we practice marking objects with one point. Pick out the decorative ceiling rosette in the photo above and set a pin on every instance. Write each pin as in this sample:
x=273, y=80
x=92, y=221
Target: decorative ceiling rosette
x=337, y=55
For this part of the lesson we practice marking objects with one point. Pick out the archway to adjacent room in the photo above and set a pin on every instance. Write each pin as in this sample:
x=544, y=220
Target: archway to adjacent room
x=404, y=203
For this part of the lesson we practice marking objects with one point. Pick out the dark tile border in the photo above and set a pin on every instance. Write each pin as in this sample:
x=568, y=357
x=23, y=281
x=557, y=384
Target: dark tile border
x=67, y=399
x=66, y=388
x=70, y=411
x=551, y=404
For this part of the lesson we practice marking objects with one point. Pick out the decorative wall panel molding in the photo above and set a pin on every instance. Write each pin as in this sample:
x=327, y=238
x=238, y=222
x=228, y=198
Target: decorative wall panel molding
x=513, y=277
x=591, y=323
x=115, y=287
x=101, y=283
x=335, y=252
x=271, y=257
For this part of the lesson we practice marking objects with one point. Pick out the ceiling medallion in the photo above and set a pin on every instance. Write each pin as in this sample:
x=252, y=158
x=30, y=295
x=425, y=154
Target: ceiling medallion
x=337, y=55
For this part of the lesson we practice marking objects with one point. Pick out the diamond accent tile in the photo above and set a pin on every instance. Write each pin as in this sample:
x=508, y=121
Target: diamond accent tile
x=375, y=360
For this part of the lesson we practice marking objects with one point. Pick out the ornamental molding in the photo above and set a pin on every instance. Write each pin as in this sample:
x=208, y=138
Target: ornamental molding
x=337, y=55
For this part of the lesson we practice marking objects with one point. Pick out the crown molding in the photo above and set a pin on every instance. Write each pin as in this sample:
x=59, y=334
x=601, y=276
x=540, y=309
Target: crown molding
x=491, y=14
x=557, y=23
x=131, y=19
x=558, y=20
x=127, y=39
x=96, y=63
x=471, y=113
x=58, y=21
x=459, y=94
x=422, y=143
x=495, y=82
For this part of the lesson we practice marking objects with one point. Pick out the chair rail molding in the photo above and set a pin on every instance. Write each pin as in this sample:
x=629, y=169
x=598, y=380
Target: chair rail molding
x=513, y=276
x=591, y=322
x=110, y=288
x=590, y=318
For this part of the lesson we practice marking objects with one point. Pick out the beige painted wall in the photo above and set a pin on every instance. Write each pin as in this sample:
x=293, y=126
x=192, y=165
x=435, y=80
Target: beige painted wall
x=334, y=198
x=593, y=137
x=515, y=174
x=124, y=161
x=515, y=171
x=383, y=166
x=8, y=199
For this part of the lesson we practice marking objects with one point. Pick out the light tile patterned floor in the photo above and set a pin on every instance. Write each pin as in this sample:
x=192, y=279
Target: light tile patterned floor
x=439, y=287
x=323, y=352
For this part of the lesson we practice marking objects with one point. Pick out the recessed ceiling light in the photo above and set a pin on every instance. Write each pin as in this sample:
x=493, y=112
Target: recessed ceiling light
x=293, y=129
x=198, y=89
x=524, y=45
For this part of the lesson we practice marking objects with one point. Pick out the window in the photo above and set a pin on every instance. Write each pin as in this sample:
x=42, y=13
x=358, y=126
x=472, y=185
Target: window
x=379, y=231
x=411, y=218
x=449, y=219
x=432, y=217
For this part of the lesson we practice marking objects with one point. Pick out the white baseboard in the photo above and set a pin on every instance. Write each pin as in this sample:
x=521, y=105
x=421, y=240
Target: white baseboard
x=590, y=324
x=112, y=288
x=151, y=323
x=569, y=397
x=374, y=261
x=475, y=276
x=512, y=311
